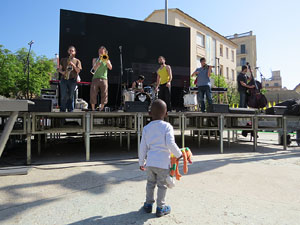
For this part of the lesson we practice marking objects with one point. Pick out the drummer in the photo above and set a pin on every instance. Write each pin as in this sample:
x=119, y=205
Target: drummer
x=137, y=85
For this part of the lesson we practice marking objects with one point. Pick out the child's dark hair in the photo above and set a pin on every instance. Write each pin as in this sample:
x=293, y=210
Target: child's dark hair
x=158, y=109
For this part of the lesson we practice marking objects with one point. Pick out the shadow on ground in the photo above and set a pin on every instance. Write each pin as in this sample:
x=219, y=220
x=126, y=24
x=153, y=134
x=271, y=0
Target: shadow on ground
x=135, y=217
x=124, y=170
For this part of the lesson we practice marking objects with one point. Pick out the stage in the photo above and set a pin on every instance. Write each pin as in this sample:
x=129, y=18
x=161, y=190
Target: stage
x=54, y=125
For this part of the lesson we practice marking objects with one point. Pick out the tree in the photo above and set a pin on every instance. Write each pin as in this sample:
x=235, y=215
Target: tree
x=232, y=93
x=13, y=73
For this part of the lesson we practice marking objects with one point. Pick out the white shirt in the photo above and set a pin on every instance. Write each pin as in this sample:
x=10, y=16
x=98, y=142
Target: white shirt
x=157, y=144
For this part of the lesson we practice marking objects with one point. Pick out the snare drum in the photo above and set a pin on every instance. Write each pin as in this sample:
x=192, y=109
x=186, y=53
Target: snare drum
x=190, y=100
x=128, y=96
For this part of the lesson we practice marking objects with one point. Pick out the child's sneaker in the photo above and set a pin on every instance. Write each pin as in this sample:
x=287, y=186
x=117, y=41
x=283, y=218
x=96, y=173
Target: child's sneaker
x=148, y=207
x=163, y=211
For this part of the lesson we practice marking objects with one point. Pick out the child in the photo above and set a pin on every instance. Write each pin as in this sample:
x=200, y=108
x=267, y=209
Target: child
x=156, y=147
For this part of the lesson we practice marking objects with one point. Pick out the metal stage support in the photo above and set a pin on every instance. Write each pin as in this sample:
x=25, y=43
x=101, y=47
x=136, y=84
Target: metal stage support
x=88, y=124
x=11, y=109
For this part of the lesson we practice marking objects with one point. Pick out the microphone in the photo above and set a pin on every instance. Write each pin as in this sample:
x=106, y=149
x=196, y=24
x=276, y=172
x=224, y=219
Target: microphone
x=120, y=47
x=31, y=42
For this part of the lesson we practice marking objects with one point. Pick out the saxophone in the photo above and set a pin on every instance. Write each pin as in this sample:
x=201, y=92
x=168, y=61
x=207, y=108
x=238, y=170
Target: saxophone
x=69, y=68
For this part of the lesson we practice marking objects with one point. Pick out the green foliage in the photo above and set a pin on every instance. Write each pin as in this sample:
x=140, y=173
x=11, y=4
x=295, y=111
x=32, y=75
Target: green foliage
x=13, y=81
x=219, y=80
x=232, y=93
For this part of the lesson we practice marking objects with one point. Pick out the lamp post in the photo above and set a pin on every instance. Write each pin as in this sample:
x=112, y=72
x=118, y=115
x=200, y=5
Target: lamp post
x=166, y=11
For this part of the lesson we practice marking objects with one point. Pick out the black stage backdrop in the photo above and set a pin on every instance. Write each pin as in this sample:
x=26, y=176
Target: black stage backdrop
x=142, y=43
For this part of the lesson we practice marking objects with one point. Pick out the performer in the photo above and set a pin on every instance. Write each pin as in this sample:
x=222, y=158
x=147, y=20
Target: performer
x=69, y=68
x=203, y=83
x=138, y=84
x=242, y=86
x=163, y=81
x=99, y=80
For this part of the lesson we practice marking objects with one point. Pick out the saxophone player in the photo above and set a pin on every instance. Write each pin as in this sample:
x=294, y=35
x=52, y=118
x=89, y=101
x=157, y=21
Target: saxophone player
x=99, y=80
x=69, y=68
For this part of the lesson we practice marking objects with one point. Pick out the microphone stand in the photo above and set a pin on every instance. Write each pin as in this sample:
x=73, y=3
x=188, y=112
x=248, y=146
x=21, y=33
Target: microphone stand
x=27, y=67
x=121, y=76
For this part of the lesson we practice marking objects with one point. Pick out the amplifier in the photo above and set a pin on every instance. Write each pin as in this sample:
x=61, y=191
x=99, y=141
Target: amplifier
x=218, y=108
x=277, y=110
x=242, y=111
x=40, y=105
x=48, y=92
x=136, y=106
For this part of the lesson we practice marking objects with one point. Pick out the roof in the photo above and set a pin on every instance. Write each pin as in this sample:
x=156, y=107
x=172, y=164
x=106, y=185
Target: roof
x=282, y=95
x=176, y=10
x=298, y=86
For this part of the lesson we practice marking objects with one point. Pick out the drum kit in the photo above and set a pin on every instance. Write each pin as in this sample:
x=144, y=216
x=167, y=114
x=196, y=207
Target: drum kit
x=147, y=95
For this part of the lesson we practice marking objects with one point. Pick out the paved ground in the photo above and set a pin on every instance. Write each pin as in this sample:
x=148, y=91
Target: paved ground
x=238, y=187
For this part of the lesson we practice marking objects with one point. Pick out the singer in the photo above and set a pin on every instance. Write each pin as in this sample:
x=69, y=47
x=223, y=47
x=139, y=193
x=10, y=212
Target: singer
x=69, y=68
x=99, y=80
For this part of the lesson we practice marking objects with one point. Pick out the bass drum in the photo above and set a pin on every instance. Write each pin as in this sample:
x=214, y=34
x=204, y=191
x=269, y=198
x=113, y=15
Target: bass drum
x=190, y=100
x=143, y=97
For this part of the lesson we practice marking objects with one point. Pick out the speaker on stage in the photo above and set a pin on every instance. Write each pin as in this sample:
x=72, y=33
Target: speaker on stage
x=277, y=110
x=40, y=105
x=136, y=106
x=218, y=108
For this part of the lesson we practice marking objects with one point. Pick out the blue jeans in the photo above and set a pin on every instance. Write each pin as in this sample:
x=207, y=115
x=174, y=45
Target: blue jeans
x=204, y=90
x=242, y=100
x=67, y=89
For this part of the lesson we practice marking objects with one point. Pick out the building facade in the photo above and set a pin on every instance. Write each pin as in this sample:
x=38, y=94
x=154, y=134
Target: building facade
x=274, y=83
x=205, y=42
x=246, y=50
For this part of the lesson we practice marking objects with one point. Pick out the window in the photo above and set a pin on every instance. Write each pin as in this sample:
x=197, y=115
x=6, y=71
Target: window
x=243, y=61
x=232, y=75
x=232, y=56
x=200, y=39
x=243, y=49
x=227, y=53
x=221, y=70
x=276, y=84
x=221, y=50
x=267, y=85
x=198, y=61
x=227, y=73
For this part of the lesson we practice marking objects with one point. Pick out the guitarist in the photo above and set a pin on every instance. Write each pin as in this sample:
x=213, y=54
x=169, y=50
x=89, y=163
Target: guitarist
x=243, y=86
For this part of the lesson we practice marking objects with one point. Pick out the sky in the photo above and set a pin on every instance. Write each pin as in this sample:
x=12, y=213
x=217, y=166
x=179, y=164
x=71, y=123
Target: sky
x=275, y=23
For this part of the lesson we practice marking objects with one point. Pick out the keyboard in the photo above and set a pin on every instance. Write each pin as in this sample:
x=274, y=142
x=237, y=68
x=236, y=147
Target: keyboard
x=220, y=89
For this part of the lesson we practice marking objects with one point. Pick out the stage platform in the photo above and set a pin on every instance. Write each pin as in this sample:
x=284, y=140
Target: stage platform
x=51, y=125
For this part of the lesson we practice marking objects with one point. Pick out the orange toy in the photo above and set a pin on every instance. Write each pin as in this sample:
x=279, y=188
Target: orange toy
x=174, y=171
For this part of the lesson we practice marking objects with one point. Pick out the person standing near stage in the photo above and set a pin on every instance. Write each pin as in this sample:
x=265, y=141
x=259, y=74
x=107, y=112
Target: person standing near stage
x=242, y=86
x=163, y=81
x=99, y=80
x=69, y=68
x=203, y=83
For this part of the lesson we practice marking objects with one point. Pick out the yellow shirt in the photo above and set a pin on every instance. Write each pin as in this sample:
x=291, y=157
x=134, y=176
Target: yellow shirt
x=164, y=75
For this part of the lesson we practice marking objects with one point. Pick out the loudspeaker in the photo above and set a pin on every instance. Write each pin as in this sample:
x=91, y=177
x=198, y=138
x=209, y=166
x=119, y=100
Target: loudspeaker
x=40, y=105
x=218, y=108
x=242, y=111
x=136, y=106
x=277, y=110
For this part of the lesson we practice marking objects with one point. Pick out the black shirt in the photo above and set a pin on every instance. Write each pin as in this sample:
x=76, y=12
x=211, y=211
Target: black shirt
x=242, y=77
